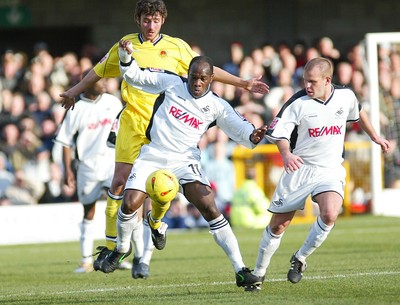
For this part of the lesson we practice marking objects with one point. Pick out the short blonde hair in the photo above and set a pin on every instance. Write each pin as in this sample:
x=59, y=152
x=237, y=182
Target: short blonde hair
x=324, y=65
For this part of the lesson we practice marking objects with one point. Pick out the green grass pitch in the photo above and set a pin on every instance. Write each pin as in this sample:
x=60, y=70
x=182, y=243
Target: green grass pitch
x=358, y=264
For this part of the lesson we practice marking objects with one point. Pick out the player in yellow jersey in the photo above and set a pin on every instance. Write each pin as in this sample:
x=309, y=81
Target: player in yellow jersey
x=151, y=50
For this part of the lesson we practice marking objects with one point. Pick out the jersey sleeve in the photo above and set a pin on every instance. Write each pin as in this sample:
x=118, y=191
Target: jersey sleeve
x=235, y=125
x=282, y=125
x=66, y=132
x=149, y=80
x=355, y=108
x=108, y=66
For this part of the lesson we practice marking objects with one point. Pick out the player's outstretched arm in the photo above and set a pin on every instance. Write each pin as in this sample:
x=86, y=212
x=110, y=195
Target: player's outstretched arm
x=68, y=97
x=369, y=129
x=253, y=85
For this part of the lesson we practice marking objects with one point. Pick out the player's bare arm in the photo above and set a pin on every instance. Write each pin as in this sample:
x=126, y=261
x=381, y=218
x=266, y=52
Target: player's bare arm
x=68, y=97
x=69, y=177
x=369, y=129
x=291, y=161
x=258, y=134
x=253, y=85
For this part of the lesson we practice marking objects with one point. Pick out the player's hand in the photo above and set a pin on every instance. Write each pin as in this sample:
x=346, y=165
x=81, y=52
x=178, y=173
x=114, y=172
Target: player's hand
x=385, y=144
x=291, y=162
x=68, y=100
x=70, y=180
x=125, y=50
x=258, y=134
x=254, y=85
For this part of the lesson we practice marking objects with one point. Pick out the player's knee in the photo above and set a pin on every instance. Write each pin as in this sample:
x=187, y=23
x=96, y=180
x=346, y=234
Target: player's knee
x=132, y=201
x=118, y=184
x=277, y=229
x=328, y=218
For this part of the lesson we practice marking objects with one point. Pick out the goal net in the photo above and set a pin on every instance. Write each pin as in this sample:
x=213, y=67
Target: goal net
x=383, y=51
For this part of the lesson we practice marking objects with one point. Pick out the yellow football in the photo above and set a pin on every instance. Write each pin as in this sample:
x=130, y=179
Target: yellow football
x=162, y=186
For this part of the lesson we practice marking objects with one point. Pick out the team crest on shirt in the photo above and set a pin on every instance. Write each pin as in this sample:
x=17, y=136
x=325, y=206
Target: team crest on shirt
x=206, y=109
x=278, y=203
x=163, y=54
x=339, y=113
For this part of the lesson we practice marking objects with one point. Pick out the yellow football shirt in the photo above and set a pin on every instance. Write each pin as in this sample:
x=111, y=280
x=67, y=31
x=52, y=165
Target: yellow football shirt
x=167, y=53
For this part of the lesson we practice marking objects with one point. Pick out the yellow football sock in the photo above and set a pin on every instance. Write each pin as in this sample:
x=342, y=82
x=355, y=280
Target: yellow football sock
x=158, y=211
x=113, y=204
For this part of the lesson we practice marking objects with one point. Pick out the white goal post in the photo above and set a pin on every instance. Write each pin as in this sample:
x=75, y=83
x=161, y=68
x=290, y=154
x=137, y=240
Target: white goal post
x=384, y=201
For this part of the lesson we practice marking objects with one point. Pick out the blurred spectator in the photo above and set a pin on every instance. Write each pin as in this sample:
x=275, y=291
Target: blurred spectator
x=55, y=190
x=17, y=109
x=10, y=145
x=272, y=63
x=327, y=49
x=249, y=207
x=21, y=192
x=6, y=177
x=343, y=74
x=42, y=109
x=48, y=130
x=299, y=52
x=311, y=53
x=236, y=56
x=12, y=70
x=35, y=84
x=71, y=67
x=279, y=94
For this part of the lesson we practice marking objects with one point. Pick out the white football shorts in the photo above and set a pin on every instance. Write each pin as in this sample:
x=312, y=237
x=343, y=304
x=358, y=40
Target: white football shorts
x=186, y=169
x=89, y=187
x=294, y=188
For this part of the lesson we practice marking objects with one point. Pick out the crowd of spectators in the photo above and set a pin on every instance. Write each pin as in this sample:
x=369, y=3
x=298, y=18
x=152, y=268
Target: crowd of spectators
x=30, y=111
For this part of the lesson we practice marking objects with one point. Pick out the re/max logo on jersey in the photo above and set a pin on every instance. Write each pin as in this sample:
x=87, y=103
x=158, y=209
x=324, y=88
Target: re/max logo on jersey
x=99, y=123
x=325, y=131
x=185, y=117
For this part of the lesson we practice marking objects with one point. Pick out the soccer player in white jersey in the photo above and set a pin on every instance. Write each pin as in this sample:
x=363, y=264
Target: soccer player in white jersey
x=83, y=134
x=184, y=111
x=309, y=131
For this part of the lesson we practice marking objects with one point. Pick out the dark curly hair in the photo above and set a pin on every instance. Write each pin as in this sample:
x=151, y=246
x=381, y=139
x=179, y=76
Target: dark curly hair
x=150, y=7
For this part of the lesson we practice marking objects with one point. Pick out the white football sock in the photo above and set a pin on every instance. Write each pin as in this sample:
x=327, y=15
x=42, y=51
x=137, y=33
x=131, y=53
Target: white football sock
x=316, y=236
x=137, y=239
x=125, y=224
x=148, y=244
x=268, y=245
x=87, y=240
x=224, y=237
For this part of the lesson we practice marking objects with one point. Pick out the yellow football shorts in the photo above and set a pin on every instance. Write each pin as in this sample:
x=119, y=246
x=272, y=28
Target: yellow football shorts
x=131, y=136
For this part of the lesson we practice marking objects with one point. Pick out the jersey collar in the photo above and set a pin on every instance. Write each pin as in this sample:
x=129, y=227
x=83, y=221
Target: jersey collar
x=329, y=98
x=141, y=39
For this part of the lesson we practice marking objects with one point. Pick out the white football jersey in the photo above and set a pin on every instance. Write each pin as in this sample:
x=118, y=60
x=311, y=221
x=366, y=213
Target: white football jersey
x=179, y=120
x=315, y=128
x=86, y=129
